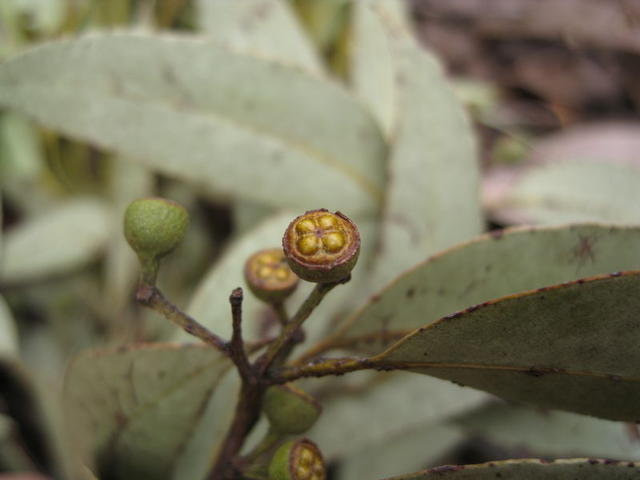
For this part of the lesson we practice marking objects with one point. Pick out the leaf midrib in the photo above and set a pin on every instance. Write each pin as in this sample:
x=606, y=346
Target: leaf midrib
x=534, y=370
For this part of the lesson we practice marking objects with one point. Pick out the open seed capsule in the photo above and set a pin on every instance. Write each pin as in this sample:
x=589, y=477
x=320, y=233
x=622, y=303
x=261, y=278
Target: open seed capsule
x=268, y=275
x=297, y=460
x=321, y=246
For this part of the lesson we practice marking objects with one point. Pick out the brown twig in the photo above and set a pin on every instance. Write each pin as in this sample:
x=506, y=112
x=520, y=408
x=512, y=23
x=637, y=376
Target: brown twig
x=246, y=415
x=323, y=368
x=255, y=382
x=152, y=298
x=236, y=346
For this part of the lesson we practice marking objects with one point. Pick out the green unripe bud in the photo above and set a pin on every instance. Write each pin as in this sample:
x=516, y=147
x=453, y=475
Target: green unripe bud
x=297, y=460
x=321, y=246
x=290, y=410
x=269, y=276
x=154, y=227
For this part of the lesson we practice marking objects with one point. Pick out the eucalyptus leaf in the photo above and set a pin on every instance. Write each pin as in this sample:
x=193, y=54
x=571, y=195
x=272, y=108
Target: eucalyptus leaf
x=584, y=469
x=372, y=64
x=246, y=215
x=266, y=28
x=572, y=191
x=65, y=238
x=35, y=413
x=412, y=450
x=191, y=109
x=550, y=433
x=569, y=347
x=491, y=266
x=398, y=404
x=135, y=409
x=20, y=153
x=8, y=330
x=432, y=199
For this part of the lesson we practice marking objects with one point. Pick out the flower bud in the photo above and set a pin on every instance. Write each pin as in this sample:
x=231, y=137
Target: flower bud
x=297, y=460
x=321, y=246
x=154, y=227
x=269, y=276
x=290, y=410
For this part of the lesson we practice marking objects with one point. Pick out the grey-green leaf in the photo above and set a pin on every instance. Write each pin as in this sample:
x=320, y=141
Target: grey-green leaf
x=8, y=330
x=570, y=192
x=423, y=445
x=267, y=28
x=346, y=424
x=135, y=409
x=33, y=408
x=582, y=468
x=372, y=64
x=229, y=122
x=432, y=199
x=494, y=265
x=55, y=242
x=569, y=347
x=21, y=158
x=550, y=433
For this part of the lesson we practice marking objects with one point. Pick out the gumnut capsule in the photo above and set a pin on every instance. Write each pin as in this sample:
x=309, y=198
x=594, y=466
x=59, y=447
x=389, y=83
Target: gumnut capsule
x=321, y=246
x=269, y=276
x=290, y=410
x=154, y=227
x=297, y=460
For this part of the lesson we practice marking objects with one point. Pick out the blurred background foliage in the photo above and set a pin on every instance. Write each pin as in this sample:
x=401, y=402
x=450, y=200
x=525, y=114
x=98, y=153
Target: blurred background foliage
x=554, y=98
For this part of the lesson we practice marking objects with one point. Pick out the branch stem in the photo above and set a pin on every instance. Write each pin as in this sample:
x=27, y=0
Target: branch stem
x=323, y=368
x=246, y=415
x=152, y=298
x=236, y=346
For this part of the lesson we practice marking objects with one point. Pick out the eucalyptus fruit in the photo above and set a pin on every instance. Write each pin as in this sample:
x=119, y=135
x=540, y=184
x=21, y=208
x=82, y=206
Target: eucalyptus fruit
x=153, y=227
x=268, y=275
x=290, y=410
x=297, y=460
x=321, y=246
